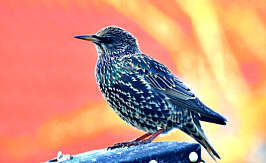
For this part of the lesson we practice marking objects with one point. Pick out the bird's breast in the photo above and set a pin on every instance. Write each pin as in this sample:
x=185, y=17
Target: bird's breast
x=131, y=97
x=105, y=72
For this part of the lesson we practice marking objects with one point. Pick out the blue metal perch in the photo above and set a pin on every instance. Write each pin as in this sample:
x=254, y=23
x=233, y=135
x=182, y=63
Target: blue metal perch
x=155, y=152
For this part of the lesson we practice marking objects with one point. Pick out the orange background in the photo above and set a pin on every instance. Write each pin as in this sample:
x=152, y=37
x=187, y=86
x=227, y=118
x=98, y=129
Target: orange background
x=49, y=100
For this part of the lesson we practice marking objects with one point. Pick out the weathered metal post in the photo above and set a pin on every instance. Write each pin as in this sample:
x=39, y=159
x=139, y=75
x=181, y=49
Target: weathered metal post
x=156, y=152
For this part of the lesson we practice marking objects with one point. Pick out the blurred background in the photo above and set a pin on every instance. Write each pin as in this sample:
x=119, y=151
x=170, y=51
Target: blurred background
x=49, y=100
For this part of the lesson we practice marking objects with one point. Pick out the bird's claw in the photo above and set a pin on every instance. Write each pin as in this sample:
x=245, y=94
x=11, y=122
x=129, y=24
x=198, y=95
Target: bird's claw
x=122, y=145
x=128, y=144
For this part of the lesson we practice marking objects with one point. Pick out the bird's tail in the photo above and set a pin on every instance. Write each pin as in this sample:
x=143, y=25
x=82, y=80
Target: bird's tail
x=206, y=144
x=197, y=133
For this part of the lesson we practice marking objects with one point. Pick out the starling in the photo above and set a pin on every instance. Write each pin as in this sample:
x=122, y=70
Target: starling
x=144, y=93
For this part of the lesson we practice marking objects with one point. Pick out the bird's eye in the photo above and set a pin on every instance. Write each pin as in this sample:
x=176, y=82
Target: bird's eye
x=106, y=40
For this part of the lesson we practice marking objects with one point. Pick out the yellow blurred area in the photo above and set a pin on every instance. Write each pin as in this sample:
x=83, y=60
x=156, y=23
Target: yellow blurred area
x=85, y=123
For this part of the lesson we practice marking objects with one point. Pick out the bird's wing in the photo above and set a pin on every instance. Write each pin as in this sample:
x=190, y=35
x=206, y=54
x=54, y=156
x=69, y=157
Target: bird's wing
x=163, y=81
x=158, y=76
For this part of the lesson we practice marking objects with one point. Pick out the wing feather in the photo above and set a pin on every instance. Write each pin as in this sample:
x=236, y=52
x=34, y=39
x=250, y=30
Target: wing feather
x=162, y=80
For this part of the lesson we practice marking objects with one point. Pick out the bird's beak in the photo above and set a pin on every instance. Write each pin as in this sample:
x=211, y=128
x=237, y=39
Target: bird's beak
x=92, y=38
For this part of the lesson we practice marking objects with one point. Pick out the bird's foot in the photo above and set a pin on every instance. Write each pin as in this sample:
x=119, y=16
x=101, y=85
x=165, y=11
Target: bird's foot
x=129, y=144
x=138, y=141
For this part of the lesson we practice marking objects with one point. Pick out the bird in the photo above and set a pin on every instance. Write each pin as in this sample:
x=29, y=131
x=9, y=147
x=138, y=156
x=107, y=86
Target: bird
x=144, y=92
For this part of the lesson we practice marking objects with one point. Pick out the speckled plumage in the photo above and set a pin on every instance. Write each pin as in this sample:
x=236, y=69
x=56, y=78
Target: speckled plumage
x=143, y=92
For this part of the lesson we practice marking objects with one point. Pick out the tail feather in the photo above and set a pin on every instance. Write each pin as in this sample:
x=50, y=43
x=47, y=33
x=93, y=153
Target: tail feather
x=197, y=133
x=206, y=144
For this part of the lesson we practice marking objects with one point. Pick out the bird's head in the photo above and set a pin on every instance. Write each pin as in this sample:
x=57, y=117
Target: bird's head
x=113, y=40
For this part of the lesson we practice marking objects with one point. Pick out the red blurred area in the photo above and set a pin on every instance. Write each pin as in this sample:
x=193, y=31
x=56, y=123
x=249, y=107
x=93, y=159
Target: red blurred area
x=49, y=99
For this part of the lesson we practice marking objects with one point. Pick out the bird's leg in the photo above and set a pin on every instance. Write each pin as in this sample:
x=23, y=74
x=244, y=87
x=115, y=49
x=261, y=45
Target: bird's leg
x=153, y=136
x=140, y=140
x=131, y=143
x=143, y=137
